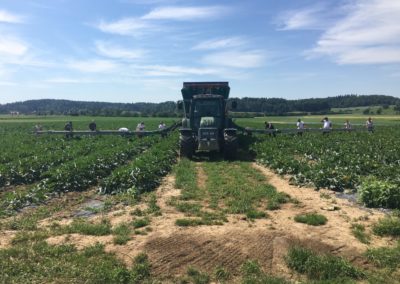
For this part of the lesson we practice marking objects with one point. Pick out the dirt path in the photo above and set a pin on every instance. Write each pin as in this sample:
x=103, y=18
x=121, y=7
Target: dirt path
x=172, y=249
x=337, y=231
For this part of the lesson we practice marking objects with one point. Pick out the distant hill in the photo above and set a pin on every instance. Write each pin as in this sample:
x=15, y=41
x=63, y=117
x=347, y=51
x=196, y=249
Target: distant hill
x=269, y=106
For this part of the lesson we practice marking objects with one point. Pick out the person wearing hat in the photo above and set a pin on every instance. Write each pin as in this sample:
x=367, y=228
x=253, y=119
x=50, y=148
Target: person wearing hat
x=68, y=127
x=369, y=125
x=93, y=126
x=327, y=125
x=300, y=127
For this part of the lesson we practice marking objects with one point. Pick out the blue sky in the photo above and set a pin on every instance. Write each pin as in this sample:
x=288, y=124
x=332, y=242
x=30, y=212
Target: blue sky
x=142, y=50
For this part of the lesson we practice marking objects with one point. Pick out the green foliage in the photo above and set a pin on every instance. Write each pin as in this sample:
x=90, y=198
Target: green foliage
x=153, y=208
x=358, y=231
x=379, y=193
x=140, y=222
x=385, y=257
x=320, y=267
x=252, y=273
x=186, y=222
x=64, y=264
x=312, y=219
x=80, y=226
x=221, y=274
x=145, y=172
x=256, y=214
x=338, y=161
x=122, y=233
x=388, y=226
x=197, y=276
x=186, y=179
x=141, y=268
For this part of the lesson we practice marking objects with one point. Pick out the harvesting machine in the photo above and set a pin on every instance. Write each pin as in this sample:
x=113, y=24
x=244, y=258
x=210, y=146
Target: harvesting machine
x=205, y=125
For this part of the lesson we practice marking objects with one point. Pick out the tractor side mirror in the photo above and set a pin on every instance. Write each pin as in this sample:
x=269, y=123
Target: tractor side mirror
x=234, y=105
x=180, y=105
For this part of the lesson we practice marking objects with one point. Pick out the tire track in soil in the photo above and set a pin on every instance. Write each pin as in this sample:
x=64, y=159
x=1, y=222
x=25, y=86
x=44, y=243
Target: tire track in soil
x=172, y=249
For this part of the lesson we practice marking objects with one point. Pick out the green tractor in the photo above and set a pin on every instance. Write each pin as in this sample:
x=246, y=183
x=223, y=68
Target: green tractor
x=206, y=126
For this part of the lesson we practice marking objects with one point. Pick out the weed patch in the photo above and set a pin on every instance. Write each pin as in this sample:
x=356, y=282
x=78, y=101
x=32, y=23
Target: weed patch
x=122, y=234
x=358, y=231
x=140, y=223
x=64, y=264
x=80, y=226
x=186, y=180
x=312, y=219
x=385, y=257
x=388, y=226
x=252, y=273
x=320, y=267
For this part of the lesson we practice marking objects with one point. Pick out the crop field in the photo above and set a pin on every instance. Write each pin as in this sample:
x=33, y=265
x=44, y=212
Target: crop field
x=112, y=209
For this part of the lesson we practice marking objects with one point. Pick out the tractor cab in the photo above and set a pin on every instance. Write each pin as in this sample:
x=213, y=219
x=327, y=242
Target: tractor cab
x=205, y=126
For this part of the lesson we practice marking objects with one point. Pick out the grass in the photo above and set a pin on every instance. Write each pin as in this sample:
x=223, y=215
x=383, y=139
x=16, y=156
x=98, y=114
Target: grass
x=230, y=188
x=240, y=188
x=385, y=257
x=152, y=207
x=312, y=219
x=80, y=226
x=252, y=273
x=254, y=214
x=358, y=230
x=197, y=277
x=122, y=233
x=221, y=274
x=140, y=222
x=186, y=180
x=24, y=237
x=65, y=264
x=388, y=226
x=28, y=221
x=186, y=222
x=321, y=266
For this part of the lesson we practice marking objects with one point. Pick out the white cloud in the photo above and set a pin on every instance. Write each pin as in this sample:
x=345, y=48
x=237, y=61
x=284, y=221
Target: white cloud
x=7, y=83
x=236, y=59
x=126, y=26
x=93, y=65
x=184, y=13
x=220, y=43
x=111, y=50
x=369, y=34
x=307, y=18
x=167, y=70
x=12, y=47
x=8, y=17
x=66, y=80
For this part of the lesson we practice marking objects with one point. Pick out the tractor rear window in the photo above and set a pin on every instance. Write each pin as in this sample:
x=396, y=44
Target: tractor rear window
x=207, y=108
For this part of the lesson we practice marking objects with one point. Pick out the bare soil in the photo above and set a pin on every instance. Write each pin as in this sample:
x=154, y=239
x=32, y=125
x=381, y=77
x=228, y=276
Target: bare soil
x=171, y=249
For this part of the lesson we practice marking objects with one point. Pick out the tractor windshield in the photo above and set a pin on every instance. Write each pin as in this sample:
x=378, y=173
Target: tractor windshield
x=202, y=108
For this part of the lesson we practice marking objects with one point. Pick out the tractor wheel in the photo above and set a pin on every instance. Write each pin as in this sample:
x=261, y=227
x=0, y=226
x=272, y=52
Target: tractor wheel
x=230, y=147
x=186, y=146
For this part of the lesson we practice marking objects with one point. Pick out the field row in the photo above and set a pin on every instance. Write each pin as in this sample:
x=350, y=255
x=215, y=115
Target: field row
x=365, y=162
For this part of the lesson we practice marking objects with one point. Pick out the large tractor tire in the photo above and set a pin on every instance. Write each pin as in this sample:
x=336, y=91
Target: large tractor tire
x=186, y=146
x=231, y=145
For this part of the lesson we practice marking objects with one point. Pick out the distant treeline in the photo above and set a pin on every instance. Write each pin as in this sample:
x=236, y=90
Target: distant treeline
x=268, y=106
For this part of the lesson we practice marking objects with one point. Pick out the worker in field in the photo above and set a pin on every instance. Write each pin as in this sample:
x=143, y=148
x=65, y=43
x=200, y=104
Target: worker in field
x=38, y=128
x=140, y=128
x=162, y=127
x=347, y=125
x=68, y=127
x=300, y=127
x=326, y=126
x=93, y=126
x=270, y=126
x=369, y=125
